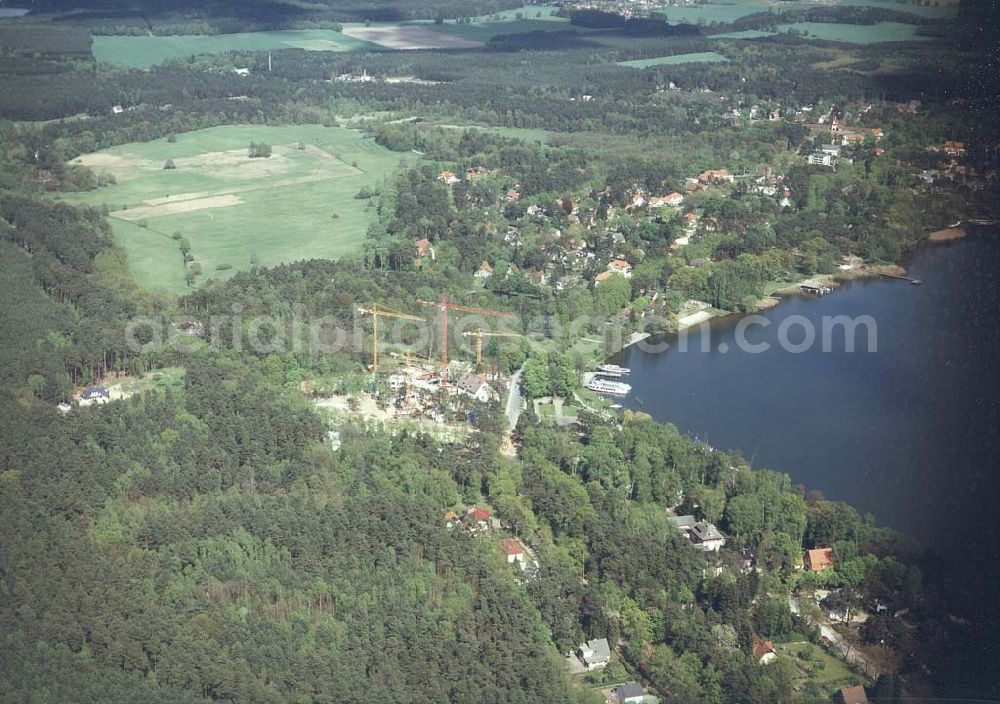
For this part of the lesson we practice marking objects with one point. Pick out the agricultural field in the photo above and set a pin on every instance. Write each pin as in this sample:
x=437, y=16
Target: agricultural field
x=408, y=36
x=710, y=56
x=232, y=209
x=729, y=11
x=745, y=34
x=146, y=51
x=858, y=33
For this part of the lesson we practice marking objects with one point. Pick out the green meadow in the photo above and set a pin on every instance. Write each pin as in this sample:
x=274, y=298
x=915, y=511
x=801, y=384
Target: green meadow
x=858, y=33
x=146, y=51
x=482, y=29
x=725, y=12
x=710, y=56
x=235, y=210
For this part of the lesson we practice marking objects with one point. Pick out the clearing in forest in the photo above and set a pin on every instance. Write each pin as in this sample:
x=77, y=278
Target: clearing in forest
x=232, y=209
x=705, y=56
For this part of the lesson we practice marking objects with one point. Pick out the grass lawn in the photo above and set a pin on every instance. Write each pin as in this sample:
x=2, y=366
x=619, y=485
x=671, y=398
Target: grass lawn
x=820, y=667
x=232, y=208
x=146, y=51
x=858, y=33
x=674, y=59
x=159, y=380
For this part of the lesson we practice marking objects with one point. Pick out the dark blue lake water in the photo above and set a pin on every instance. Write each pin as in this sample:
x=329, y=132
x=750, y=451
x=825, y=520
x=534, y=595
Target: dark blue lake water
x=909, y=433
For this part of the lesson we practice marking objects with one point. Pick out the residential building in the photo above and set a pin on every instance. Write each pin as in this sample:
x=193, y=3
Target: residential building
x=629, y=693
x=603, y=276
x=448, y=178
x=831, y=149
x=94, y=395
x=819, y=559
x=953, y=148
x=821, y=160
x=763, y=651
x=475, y=386
x=620, y=266
x=705, y=536
x=852, y=695
x=683, y=523
x=715, y=176
x=485, y=271
x=478, y=518
x=595, y=654
x=512, y=549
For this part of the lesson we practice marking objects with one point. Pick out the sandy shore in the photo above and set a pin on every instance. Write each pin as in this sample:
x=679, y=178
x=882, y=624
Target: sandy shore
x=947, y=235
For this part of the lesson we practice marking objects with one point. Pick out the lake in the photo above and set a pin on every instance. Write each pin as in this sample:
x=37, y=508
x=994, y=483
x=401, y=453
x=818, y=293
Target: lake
x=910, y=432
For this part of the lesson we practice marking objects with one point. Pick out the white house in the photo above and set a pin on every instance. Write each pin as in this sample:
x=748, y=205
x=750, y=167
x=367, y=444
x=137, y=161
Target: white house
x=94, y=395
x=485, y=271
x=512, y=550
x=475, y=386
x=705, y=536
x=595, y=654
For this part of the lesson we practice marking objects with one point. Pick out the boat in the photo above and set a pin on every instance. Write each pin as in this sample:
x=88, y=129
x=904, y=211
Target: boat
x=604, y=386
x=612, y=369
x=610, y=375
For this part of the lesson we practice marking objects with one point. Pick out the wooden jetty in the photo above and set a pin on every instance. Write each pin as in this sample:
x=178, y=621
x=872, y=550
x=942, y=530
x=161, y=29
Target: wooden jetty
x=915, y=282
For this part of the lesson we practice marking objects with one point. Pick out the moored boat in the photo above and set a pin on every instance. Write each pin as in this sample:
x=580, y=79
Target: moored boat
x=605, y=386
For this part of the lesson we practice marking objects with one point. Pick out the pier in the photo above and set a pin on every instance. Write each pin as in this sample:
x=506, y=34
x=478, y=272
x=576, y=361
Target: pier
x=915, y=282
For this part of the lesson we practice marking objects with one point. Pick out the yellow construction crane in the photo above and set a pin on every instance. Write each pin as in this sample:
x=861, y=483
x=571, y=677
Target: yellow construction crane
x=376, y=312
x=479, y=334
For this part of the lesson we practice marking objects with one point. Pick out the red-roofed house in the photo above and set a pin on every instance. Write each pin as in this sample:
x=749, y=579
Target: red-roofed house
x=448, y=178
x=853, y=695
x=512, y=549
x=478, y=518
x=819, y=559
x=620, y=266
x=715, y=176
x=954, y=148
x=763, y=651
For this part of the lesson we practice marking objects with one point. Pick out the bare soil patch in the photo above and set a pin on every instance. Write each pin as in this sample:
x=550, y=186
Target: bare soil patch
x=177, y=207
x=409, y=37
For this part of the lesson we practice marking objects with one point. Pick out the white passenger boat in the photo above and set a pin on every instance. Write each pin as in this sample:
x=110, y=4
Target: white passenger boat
x=604, y=386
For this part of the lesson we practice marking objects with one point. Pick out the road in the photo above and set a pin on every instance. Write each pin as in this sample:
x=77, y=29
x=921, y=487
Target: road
x=515, y=403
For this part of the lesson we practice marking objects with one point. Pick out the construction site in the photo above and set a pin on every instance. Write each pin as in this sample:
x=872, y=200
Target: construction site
x=407, y=389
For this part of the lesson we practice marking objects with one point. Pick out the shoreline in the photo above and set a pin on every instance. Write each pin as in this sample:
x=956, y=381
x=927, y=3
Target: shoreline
x=833, y=281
